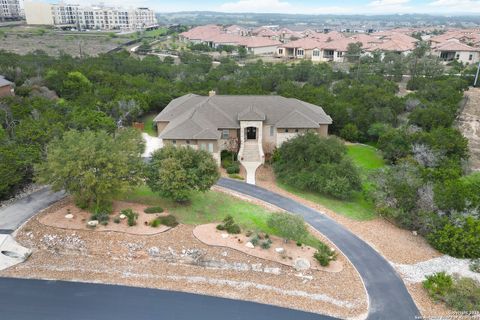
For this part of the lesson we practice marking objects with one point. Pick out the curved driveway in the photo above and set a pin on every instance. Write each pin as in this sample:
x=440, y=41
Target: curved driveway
x=23, y=299
x=388, y=296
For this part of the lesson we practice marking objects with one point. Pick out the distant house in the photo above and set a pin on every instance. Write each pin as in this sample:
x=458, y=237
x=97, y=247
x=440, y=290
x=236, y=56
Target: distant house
x=6, y=87
x=453, y=49
x=258, y=124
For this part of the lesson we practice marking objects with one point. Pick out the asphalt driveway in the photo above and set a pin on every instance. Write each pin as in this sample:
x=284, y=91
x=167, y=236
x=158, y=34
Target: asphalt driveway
x=388, y=296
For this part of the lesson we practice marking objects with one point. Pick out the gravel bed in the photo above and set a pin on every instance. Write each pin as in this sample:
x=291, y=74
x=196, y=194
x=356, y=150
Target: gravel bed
x=415, y=273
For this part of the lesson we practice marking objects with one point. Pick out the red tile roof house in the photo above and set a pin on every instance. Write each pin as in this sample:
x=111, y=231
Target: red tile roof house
x=215, y=36
x=6, y=87
x=258, y=123
x=453, y=49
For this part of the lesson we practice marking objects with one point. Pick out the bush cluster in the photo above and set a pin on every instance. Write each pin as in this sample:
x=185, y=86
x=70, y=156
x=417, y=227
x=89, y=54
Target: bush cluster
x=234, y=168
x=288, y=226
x=462, y=294
x=169, y=221
x=324, y=255
x=131, y=216
x=475, y=265
x=153, y=210
x=317, y=164
x=229, y=225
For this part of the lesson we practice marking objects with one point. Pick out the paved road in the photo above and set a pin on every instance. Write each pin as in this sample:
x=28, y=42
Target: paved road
x=23, y=299
x=13, y=216
x=388, y=296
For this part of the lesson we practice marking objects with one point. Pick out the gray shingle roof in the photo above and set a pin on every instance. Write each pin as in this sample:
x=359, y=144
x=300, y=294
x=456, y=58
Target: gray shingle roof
x=4, y=82
x=199, y=117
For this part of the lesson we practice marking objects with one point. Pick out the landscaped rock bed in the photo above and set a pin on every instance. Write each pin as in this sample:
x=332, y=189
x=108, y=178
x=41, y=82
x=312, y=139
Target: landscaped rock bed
x=177, y=260
x=68, y=216
x=287, y=253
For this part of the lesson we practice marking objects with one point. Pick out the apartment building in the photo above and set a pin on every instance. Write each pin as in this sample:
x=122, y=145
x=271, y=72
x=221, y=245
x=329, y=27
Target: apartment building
x=10, y=10
x=89, y=18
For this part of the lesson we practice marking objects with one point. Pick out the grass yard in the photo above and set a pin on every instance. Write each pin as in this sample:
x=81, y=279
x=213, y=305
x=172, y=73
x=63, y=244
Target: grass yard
x=210, y=207
x=148, y=121
x=367, y=159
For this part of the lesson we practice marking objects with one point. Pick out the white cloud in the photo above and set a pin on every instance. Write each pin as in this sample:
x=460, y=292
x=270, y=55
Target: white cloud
x=466, y=6
x=257, y=6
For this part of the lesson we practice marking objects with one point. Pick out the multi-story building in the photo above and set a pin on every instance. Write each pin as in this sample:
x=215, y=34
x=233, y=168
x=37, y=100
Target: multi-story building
x=93, y=18
x=10, y=10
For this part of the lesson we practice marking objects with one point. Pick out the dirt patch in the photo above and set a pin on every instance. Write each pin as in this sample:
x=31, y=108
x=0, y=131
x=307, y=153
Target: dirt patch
x=468, y=123
x=395, y=244
x=208, y=234
x=56, y=218
x=176, y=260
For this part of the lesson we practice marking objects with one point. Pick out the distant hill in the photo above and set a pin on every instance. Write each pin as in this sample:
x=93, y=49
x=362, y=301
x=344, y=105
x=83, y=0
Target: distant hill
x=302, y=21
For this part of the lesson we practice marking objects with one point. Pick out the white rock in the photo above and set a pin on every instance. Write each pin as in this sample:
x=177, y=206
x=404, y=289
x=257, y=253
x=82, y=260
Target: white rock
x=122, y=216
x=249, y=245
x=272, y=270
x=257, y=267
x=279, y=250
x=224, y=235
x=69, y=216
x=93, y=223
x=414, y=233
x=301, y=264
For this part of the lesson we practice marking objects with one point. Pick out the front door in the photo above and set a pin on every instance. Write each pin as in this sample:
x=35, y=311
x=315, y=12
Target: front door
x=251, y=133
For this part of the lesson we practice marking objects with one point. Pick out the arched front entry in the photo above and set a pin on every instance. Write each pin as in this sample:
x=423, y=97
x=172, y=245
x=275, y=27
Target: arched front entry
x=251, y=133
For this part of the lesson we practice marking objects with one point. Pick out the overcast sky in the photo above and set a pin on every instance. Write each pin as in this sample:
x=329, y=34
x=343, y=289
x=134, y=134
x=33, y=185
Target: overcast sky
x=446, y=7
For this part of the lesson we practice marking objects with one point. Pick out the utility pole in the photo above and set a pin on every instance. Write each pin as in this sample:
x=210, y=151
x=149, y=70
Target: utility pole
x=476, y=76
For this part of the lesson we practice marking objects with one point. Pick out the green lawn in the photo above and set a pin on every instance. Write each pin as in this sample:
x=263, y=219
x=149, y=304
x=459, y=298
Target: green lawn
x=148, y=122
x=367, y=159
x=209, y=207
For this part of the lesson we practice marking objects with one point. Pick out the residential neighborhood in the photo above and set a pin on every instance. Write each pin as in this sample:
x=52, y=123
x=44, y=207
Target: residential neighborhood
x=239, y=159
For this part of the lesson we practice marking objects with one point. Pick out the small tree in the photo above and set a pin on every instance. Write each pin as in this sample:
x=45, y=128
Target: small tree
x=92, y=166
x=175, y=172
x=232, y=146
x=288, y=226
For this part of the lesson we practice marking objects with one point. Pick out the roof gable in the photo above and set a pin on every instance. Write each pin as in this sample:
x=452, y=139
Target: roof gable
x=296, y=119
x=251, y=114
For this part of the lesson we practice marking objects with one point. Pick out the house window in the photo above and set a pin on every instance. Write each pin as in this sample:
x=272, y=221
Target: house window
x=271, y=131
x=203, y=146
x=174, y=142
x=280, y=51
x=210, y=147
x=286, y=130
x=296, y=130
x=470, y=57
x=187, y=141
x=300, y=52
x=316, y=53
x=457, y=56
x=225, y=134
x=339, y=54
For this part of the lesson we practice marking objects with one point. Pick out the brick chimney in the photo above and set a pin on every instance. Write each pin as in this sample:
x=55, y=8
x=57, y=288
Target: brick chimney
x=211, y=93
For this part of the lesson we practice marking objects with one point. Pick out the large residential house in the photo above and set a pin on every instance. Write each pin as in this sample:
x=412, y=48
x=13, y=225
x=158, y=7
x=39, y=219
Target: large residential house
x=89, y=18
x=10, y=10
x=453, y=49
x=257, y=124
x=215, y=36
x=6, y=87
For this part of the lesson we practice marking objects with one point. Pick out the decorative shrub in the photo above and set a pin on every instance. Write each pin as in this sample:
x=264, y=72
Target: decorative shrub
x=102, y=217
x=229, y=225
x=131, y=216
x=324, y=255
x=155, y=223
x=299, y=244
x=475, y=265
x=116, y=220
x=288, y=226
x=438, y=285
x=233, y=168
x=153, y=210
x=266, y=244
x=255, y=240
x=169, y=221
x=462, y=294
x=461, y=240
